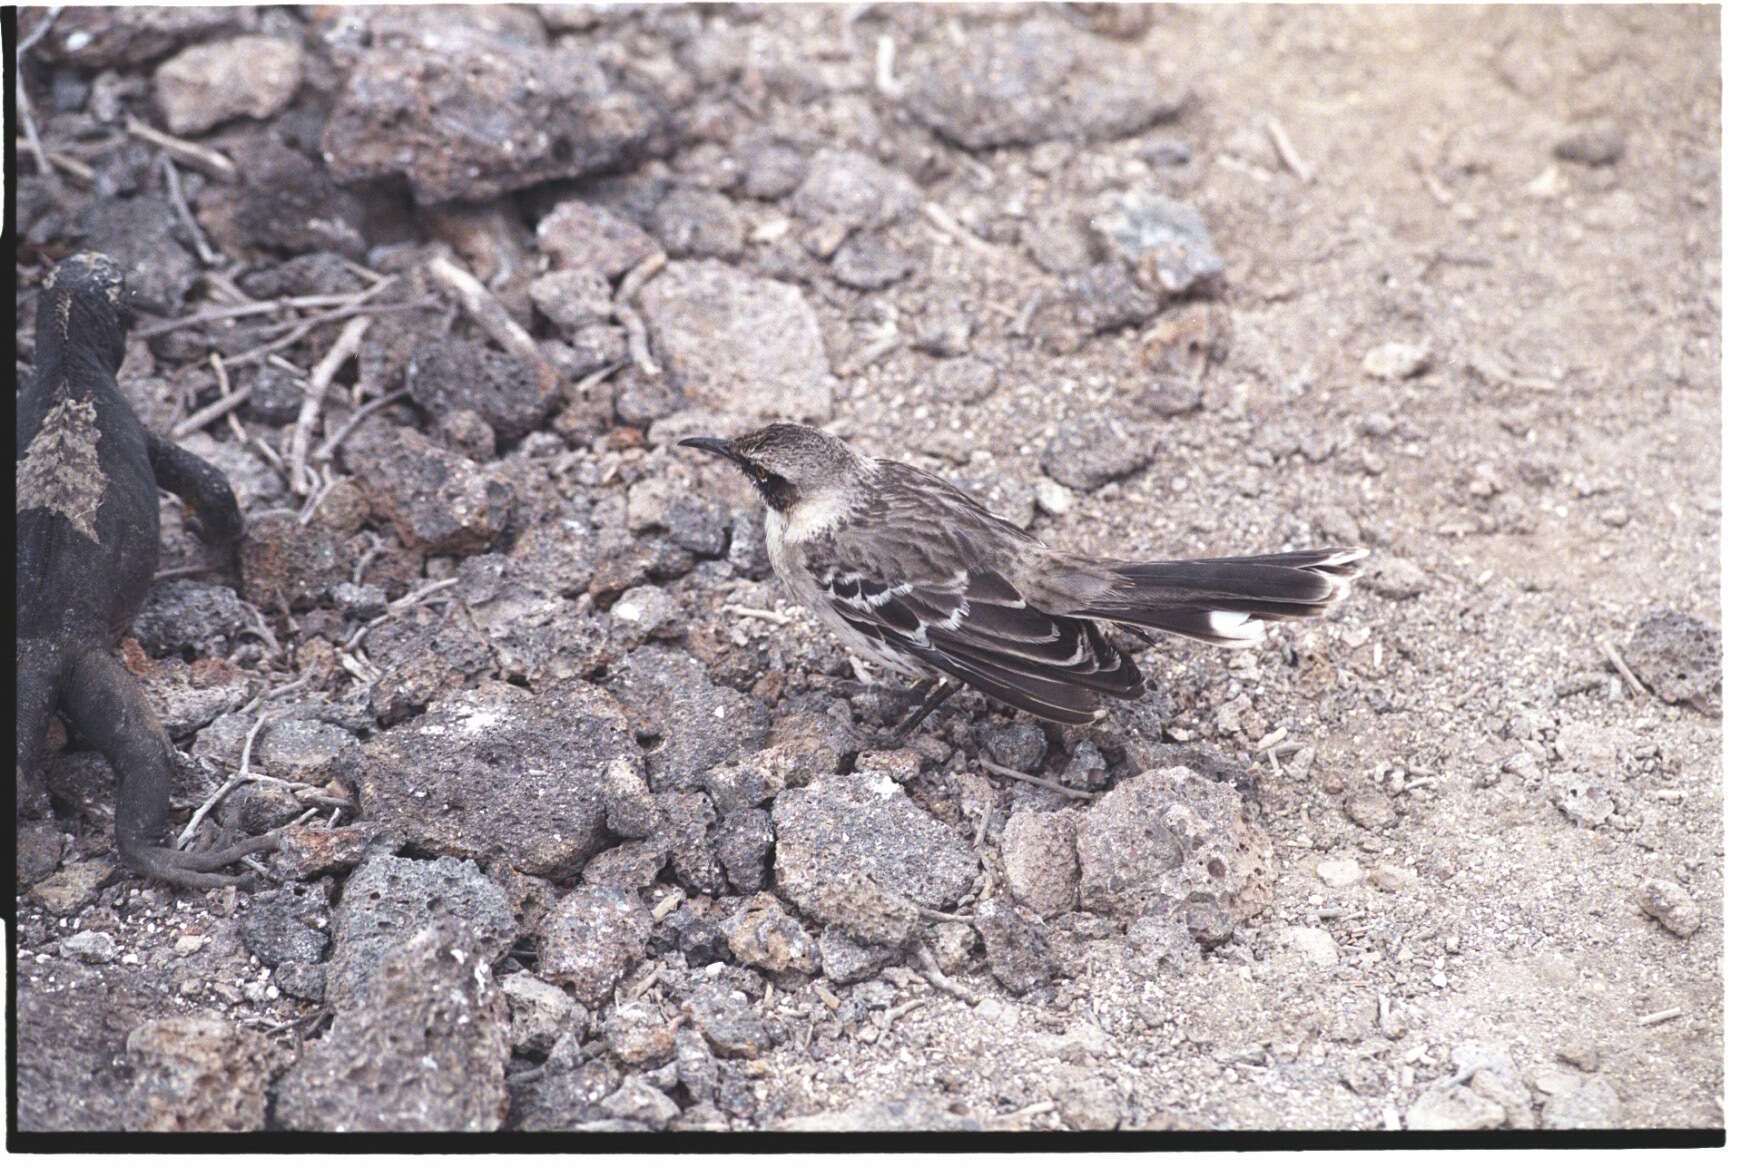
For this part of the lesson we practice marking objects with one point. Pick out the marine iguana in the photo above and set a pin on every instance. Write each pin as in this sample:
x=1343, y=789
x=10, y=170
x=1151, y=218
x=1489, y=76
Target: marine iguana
x=87, y=474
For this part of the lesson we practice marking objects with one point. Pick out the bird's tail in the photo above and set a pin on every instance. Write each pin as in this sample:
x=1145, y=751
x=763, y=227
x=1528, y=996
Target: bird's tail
x=1226, y=601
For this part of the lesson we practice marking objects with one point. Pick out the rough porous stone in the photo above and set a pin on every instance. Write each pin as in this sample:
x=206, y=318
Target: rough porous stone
x=438, y=502
x=854, y=851
x=202, y=1074
x=423, y=1047
x=1015, y=945
x=914, y=1112
x=1163, y=837
x=286, y=924
x=478, y=124
x=496, y=771
x=1040, y=862
x=763, y=934
x=1039, y=81
x=289, y=201
x=1672, y=906
x=448, y=376
x=698, y=725
x=855, y=190
x=1093, y=448
x=1164, y=242
x=591, y=937
x=1679, y=658
x=539, y=1013
x=189, y=617
x=252, y=76
x=590, y=238
x=390, y=898
x=740, y=343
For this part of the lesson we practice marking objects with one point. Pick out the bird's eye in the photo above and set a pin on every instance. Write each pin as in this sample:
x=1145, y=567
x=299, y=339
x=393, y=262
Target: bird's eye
x=761, y=473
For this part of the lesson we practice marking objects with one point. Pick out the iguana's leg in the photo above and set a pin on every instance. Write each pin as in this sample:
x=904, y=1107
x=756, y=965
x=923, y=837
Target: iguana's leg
x=201, y=484
x=38, y=692
x=109, y=710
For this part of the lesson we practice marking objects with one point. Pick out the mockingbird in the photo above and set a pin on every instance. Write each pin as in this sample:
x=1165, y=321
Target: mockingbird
x=915, y=574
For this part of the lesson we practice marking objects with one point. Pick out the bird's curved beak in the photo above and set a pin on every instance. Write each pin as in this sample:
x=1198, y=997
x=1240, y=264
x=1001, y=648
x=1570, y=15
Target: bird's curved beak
x=715, y=446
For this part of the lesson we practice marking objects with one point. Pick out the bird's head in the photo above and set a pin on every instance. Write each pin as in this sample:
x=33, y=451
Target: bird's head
x=788, y=463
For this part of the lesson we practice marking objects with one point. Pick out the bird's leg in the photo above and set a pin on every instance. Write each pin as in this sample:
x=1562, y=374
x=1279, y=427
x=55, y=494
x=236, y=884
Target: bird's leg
x=943, y=691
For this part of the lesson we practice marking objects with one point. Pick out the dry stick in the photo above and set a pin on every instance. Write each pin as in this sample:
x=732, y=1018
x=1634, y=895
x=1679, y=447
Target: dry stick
x=886, y=83
x=1289, y=155
x=342, y=350
x=222, y=792
x=622, y=309
x=933, y=973
x=201, y=158
x=1660, y=1016
x=766, y=614
x=1047, y=784
x=331, y=445
x=948, y=225
x=172, y=183
x=487, y=311
x=24, y=115
x=1618, y=663
x=409, y=600
x=259, y=308
x=227, y=401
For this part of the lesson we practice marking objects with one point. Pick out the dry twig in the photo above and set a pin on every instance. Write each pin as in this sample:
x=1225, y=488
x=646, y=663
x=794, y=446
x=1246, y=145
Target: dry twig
x=191, y=154
x=342, y=350
x=1289, y=154
x=933, y=973
x=1047, y=784
x=1618, y=663
x=482, y=306
x=227, y=401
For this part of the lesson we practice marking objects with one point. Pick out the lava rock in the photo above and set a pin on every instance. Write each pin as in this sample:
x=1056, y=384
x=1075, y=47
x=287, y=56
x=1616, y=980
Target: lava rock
x=1042, y=80
x=740, y=343
x=286, y=924
x=438, y=502
x=591, y=937
x=202, y=1074
x=700, y=725
x=1165, y=837
x=1094, y=448
x=763, y=934
x=497, y=771
x=1039, y=859
x=576, y=234
x=390, y=898
x=854, y=851
x=1163, y=241
x=446, y=376
x=252, y=76
x=142, y=235
x=423, y=1047
x=1015, y=946
x=476, y=125
x=189, y=618
x=845, y=961
x=1679, y=658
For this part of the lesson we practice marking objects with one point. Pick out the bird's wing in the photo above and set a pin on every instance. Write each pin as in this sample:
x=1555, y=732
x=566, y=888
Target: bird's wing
x=928, y=574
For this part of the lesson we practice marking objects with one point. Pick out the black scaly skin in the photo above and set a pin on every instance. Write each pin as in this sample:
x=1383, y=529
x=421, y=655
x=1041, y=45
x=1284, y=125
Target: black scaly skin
x=87, y=479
